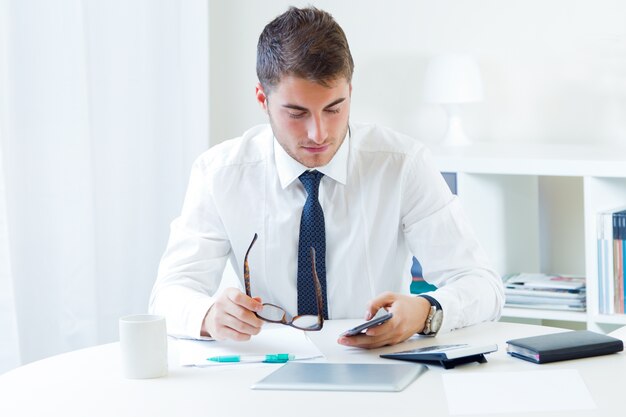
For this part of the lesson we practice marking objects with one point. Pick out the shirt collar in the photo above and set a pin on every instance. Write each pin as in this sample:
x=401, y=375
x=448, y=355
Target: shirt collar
x=289, y=169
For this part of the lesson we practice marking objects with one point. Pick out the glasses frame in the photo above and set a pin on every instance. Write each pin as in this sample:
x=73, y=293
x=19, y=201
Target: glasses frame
x=283, y=320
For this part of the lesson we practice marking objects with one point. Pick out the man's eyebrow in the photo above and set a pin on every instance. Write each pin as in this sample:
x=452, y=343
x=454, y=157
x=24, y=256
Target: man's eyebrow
x=334, y=103
x=300, y=108
x=295, y=107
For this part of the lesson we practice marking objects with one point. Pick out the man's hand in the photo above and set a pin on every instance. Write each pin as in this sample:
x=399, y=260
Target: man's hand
x=409, y=317
x=232, y=316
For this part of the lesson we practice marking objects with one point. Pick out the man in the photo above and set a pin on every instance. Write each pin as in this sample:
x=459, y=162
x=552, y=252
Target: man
x=377, y=200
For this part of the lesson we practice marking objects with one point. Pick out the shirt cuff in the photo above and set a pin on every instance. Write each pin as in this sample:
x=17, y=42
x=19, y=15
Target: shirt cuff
x=196, y=312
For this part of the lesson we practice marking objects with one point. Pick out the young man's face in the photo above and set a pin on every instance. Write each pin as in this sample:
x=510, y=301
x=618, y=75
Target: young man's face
x=309, y=121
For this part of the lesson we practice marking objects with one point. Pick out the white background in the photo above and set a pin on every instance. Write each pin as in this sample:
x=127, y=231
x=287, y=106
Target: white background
x=105, y=104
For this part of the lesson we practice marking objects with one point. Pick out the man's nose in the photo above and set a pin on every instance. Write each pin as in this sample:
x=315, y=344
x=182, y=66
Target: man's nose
x=317, y=130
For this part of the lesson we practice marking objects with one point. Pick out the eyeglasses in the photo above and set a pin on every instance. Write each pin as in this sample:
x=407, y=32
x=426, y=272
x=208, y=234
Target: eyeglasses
x=275, y=314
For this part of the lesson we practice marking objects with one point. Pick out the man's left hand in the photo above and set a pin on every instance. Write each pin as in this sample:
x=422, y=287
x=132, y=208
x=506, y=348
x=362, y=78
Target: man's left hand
x=409, y=317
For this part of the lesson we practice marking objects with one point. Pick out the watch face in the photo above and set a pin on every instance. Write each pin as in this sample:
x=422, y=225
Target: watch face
x=435, y=323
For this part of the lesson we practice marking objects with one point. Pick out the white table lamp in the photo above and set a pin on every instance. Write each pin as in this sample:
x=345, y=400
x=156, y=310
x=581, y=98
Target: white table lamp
x=452, y=79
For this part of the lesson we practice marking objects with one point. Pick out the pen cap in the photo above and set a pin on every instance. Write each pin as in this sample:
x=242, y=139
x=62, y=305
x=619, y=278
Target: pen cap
x=279, y=358
x=143, y=346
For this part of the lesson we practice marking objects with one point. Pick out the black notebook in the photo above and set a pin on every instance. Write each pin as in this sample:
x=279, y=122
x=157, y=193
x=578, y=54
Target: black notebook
x=563, y=346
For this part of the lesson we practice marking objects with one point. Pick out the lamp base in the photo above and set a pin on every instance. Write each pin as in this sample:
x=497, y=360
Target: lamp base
x=455, y=136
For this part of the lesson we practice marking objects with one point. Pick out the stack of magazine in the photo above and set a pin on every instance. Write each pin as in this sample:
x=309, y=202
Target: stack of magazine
x=543, y=291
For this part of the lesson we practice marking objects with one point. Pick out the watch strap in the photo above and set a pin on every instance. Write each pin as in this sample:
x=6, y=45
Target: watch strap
x=434, y=307
x=432, y=301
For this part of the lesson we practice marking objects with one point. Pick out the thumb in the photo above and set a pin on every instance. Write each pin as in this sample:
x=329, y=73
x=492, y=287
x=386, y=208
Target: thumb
x=383, y=300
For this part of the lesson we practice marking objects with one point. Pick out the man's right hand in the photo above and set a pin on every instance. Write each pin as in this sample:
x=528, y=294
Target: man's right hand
x=232, y=316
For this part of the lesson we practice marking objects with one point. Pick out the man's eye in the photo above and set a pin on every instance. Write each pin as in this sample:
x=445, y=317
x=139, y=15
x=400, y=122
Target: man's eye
x=297, y=115
x=333, y=111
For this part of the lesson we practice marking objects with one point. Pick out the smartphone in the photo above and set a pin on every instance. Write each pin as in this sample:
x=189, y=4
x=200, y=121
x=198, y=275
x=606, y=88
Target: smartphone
x=361, y=328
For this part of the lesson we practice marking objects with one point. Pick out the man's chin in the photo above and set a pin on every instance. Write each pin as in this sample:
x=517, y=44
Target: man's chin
x=314, y=161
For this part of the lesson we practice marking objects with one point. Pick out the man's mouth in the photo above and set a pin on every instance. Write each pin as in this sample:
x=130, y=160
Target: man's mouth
x=316, y=149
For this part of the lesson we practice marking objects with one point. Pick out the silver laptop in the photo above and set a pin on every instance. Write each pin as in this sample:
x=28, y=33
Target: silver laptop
x=341, y=377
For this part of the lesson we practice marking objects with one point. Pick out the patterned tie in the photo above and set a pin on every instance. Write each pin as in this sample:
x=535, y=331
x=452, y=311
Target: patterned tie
x=312, y=234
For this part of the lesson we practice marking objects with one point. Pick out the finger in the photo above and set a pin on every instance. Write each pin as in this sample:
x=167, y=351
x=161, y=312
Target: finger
x=381, y=329
x=226, y=333
x=376, y=344
x=249, y=303
x=383, y=300
x=214, y=322
x=364, y=341
x=241, y=326
x=226, y=322
x=243, y=307
x=242, y=315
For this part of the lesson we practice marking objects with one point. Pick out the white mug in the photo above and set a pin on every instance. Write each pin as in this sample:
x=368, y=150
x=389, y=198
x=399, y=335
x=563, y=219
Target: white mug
x=143, y=346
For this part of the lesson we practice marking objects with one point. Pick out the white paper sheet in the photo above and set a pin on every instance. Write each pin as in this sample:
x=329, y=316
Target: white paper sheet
x=516, y=392
x=272, y=339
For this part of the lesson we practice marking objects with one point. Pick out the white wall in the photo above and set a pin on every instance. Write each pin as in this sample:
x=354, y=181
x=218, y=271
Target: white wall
x=554, y=70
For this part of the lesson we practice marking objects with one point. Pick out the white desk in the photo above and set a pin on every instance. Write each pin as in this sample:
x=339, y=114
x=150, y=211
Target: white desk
x=88, y=382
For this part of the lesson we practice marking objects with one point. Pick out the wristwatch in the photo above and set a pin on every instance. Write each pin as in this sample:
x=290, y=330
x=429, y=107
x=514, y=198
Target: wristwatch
x=435, y=317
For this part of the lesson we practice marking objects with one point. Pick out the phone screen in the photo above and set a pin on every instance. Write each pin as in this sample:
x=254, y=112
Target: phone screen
x=363, y=327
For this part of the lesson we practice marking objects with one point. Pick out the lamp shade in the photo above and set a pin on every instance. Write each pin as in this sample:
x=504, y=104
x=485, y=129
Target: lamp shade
x=453, y=78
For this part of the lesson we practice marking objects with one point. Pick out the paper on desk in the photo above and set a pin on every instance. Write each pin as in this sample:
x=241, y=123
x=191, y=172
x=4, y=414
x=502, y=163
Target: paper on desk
x=273, y=339
x=516, y=392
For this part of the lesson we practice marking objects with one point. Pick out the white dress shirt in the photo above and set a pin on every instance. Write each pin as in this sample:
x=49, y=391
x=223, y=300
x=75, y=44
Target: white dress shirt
x=383, y=201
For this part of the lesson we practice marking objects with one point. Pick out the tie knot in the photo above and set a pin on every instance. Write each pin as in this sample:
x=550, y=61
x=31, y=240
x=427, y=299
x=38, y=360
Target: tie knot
x=311, y=181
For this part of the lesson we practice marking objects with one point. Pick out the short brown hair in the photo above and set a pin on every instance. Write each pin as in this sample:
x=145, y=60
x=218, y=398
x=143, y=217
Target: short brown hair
x=306, y=43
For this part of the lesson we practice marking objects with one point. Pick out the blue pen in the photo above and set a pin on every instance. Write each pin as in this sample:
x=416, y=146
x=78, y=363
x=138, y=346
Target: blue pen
x=273, y=358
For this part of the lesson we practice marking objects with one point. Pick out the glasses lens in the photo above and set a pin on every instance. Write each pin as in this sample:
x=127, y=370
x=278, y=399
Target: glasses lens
x=272, y=313
x=306, y=322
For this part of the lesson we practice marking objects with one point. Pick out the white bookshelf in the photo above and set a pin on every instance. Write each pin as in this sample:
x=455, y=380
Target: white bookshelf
x=534, y=210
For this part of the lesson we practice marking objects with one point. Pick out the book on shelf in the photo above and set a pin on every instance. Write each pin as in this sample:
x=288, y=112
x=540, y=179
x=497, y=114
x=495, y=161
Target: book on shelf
x=545, y=291
x=546, y=304
x=618, y=261
x=604, y=229
x=564, y=308
x=545, y=294
x=611, y=233
x=525, y=280
x=523, y=299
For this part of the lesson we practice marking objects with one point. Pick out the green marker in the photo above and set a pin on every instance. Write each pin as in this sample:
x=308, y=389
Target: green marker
x=273, y=358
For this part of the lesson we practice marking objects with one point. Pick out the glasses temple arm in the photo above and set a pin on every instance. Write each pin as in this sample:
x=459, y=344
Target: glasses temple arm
x=246, y=268
x=318, y=289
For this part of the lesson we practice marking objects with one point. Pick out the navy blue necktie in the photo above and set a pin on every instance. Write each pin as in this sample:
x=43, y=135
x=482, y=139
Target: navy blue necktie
x=312, y=234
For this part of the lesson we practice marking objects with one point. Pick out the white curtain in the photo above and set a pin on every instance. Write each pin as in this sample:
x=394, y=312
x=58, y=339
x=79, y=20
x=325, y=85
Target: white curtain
x=103, y=107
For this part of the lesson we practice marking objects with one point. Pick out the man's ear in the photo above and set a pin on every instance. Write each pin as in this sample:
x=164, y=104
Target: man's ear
x=261, y=97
